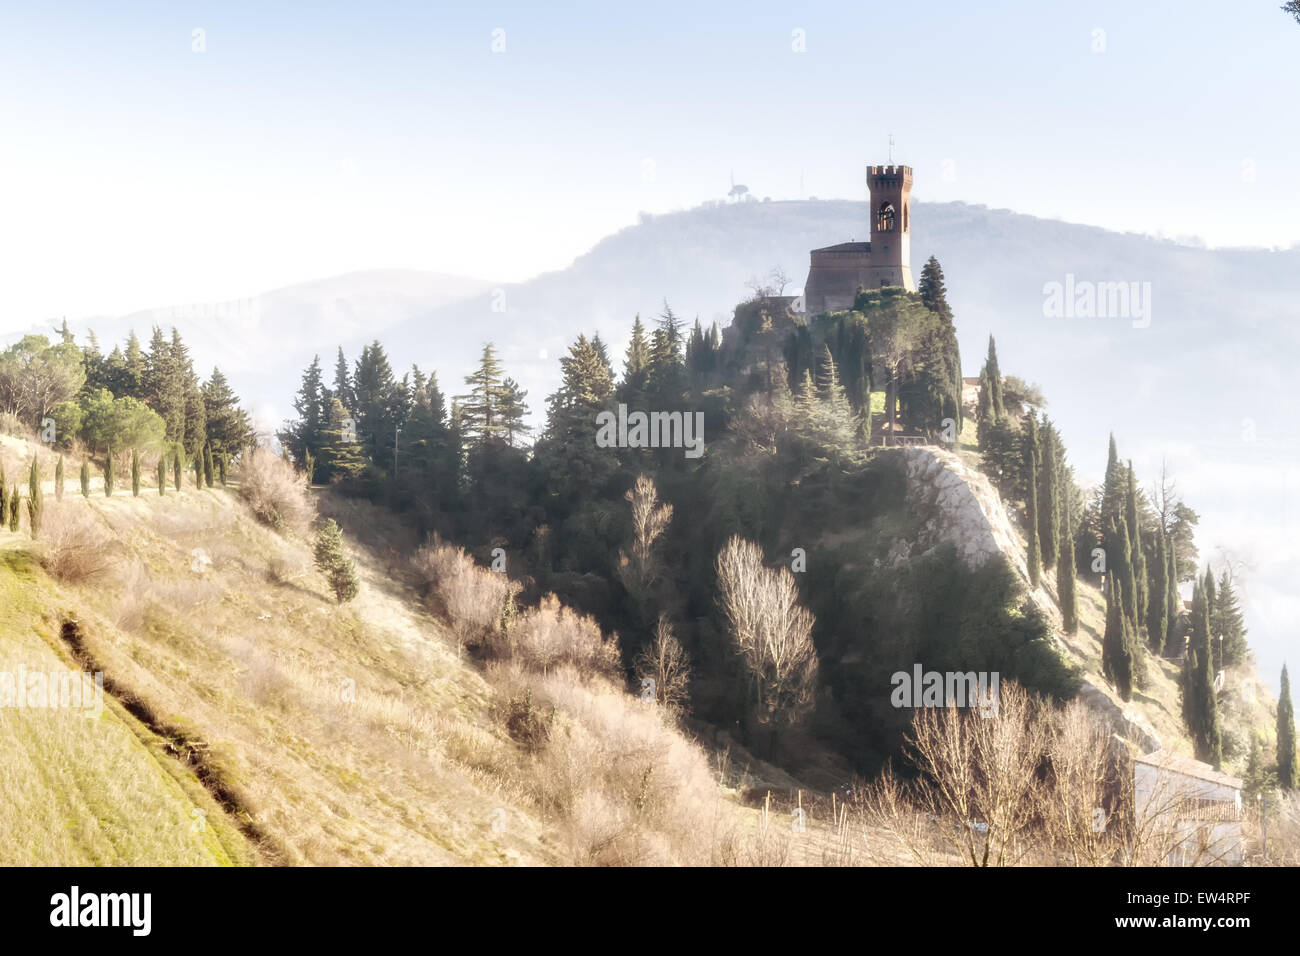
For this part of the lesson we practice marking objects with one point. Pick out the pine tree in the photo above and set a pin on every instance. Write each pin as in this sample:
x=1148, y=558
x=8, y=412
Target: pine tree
x=85, y=479
x=229, y=430
x=343, y=384
x=135, y=472
x=1228, y=623
x=1116, y=653
x=1065, y=581
x=636, y=365
x=162, y=474
x=58, y=480
x=332, y=561
x=341, y=455
x=932, y=290
x=108, y=474
x=35, y=500
x=513, y=411
x=1033, y=549
x=302, y=436
x=666, y=367
x=137, y=368
x=576, y=469
x=1288, y=777
x=207, y=465
x=481, y=414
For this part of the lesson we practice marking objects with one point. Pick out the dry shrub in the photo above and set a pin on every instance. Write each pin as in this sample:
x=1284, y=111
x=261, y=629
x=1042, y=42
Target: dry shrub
x=527, y=723
x=551, y=635
x=471, y=599
x=74, y=547
x=629, y=787
x=275, y=492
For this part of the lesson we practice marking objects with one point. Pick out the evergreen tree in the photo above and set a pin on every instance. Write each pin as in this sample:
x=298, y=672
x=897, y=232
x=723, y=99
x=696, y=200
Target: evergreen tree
x=636, y=366
x=221, y=469
x=932, y=290
x=135, y=472
x=480, y=410
x=85, y=479
x=1065, y=581
x=1173, y=602
x=136, y=368
x=341, y=455
x=1033, y=550
x=576, y=469
x=178, y=466
x=207, y=465
x=666, y=368
x=1049, y=494
x=1114, y=485
x=162, y=474
x=332, y=562
x=35, y=500
x=108, y=473
x=197, y=462
x=381, y=404
x=1228, y=623
x=343, y=384
x=1116, y=647
x=1157, y=587
x=1202, y=710
x=513, y=411
x=302, y=436
x=994, y=381
x=1287, y=777
x=58, y=480
x=15, y=508
x=1133, y=520
x=229, y=430
x=165, y=385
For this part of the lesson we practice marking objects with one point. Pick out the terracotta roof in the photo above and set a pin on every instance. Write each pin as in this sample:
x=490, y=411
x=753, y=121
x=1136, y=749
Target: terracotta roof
x=1176, y=763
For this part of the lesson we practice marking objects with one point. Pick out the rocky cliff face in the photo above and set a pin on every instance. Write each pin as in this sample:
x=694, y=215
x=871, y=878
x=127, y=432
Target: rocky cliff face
x=959, y=506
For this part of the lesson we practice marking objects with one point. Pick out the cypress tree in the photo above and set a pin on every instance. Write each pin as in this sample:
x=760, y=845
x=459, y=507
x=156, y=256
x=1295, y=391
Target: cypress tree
x=1065, y=582
x=207, y=464
x=1049, y=494
x=162, y=474
x=1211, y=602
x=1157, y=604
x=1134, y=521
x=108, y=474
x=177, y=467
x=1034, y=552
x=1173, y=602
x=198, y=469
x=1287, y=777
x=1116, y=648
x=221, y=469
x=1203, y=708
x=15, y=508
x=135, y=472
x=58, y=480
x=35, y=500
x=995, y=382
x=85, y=478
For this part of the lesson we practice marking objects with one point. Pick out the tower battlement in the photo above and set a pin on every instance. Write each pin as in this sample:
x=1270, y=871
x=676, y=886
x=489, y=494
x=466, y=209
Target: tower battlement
x=903, y=173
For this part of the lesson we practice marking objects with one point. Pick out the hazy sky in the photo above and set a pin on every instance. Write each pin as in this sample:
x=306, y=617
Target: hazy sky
x=135, y=171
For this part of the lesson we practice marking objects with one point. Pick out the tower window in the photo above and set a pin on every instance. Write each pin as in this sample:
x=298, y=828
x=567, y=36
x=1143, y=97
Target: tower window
x=905, y=208
x=885, y=218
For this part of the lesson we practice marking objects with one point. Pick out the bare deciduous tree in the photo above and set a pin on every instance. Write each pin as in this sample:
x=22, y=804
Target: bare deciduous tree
x=664, y=662
x=770, y=630
x=650, y=519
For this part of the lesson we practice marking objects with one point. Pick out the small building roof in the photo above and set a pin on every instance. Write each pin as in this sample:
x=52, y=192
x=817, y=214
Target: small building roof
x=846, y=247
x=1177, y=763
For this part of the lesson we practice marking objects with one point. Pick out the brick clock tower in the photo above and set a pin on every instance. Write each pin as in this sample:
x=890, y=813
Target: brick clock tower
x=837, y=272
